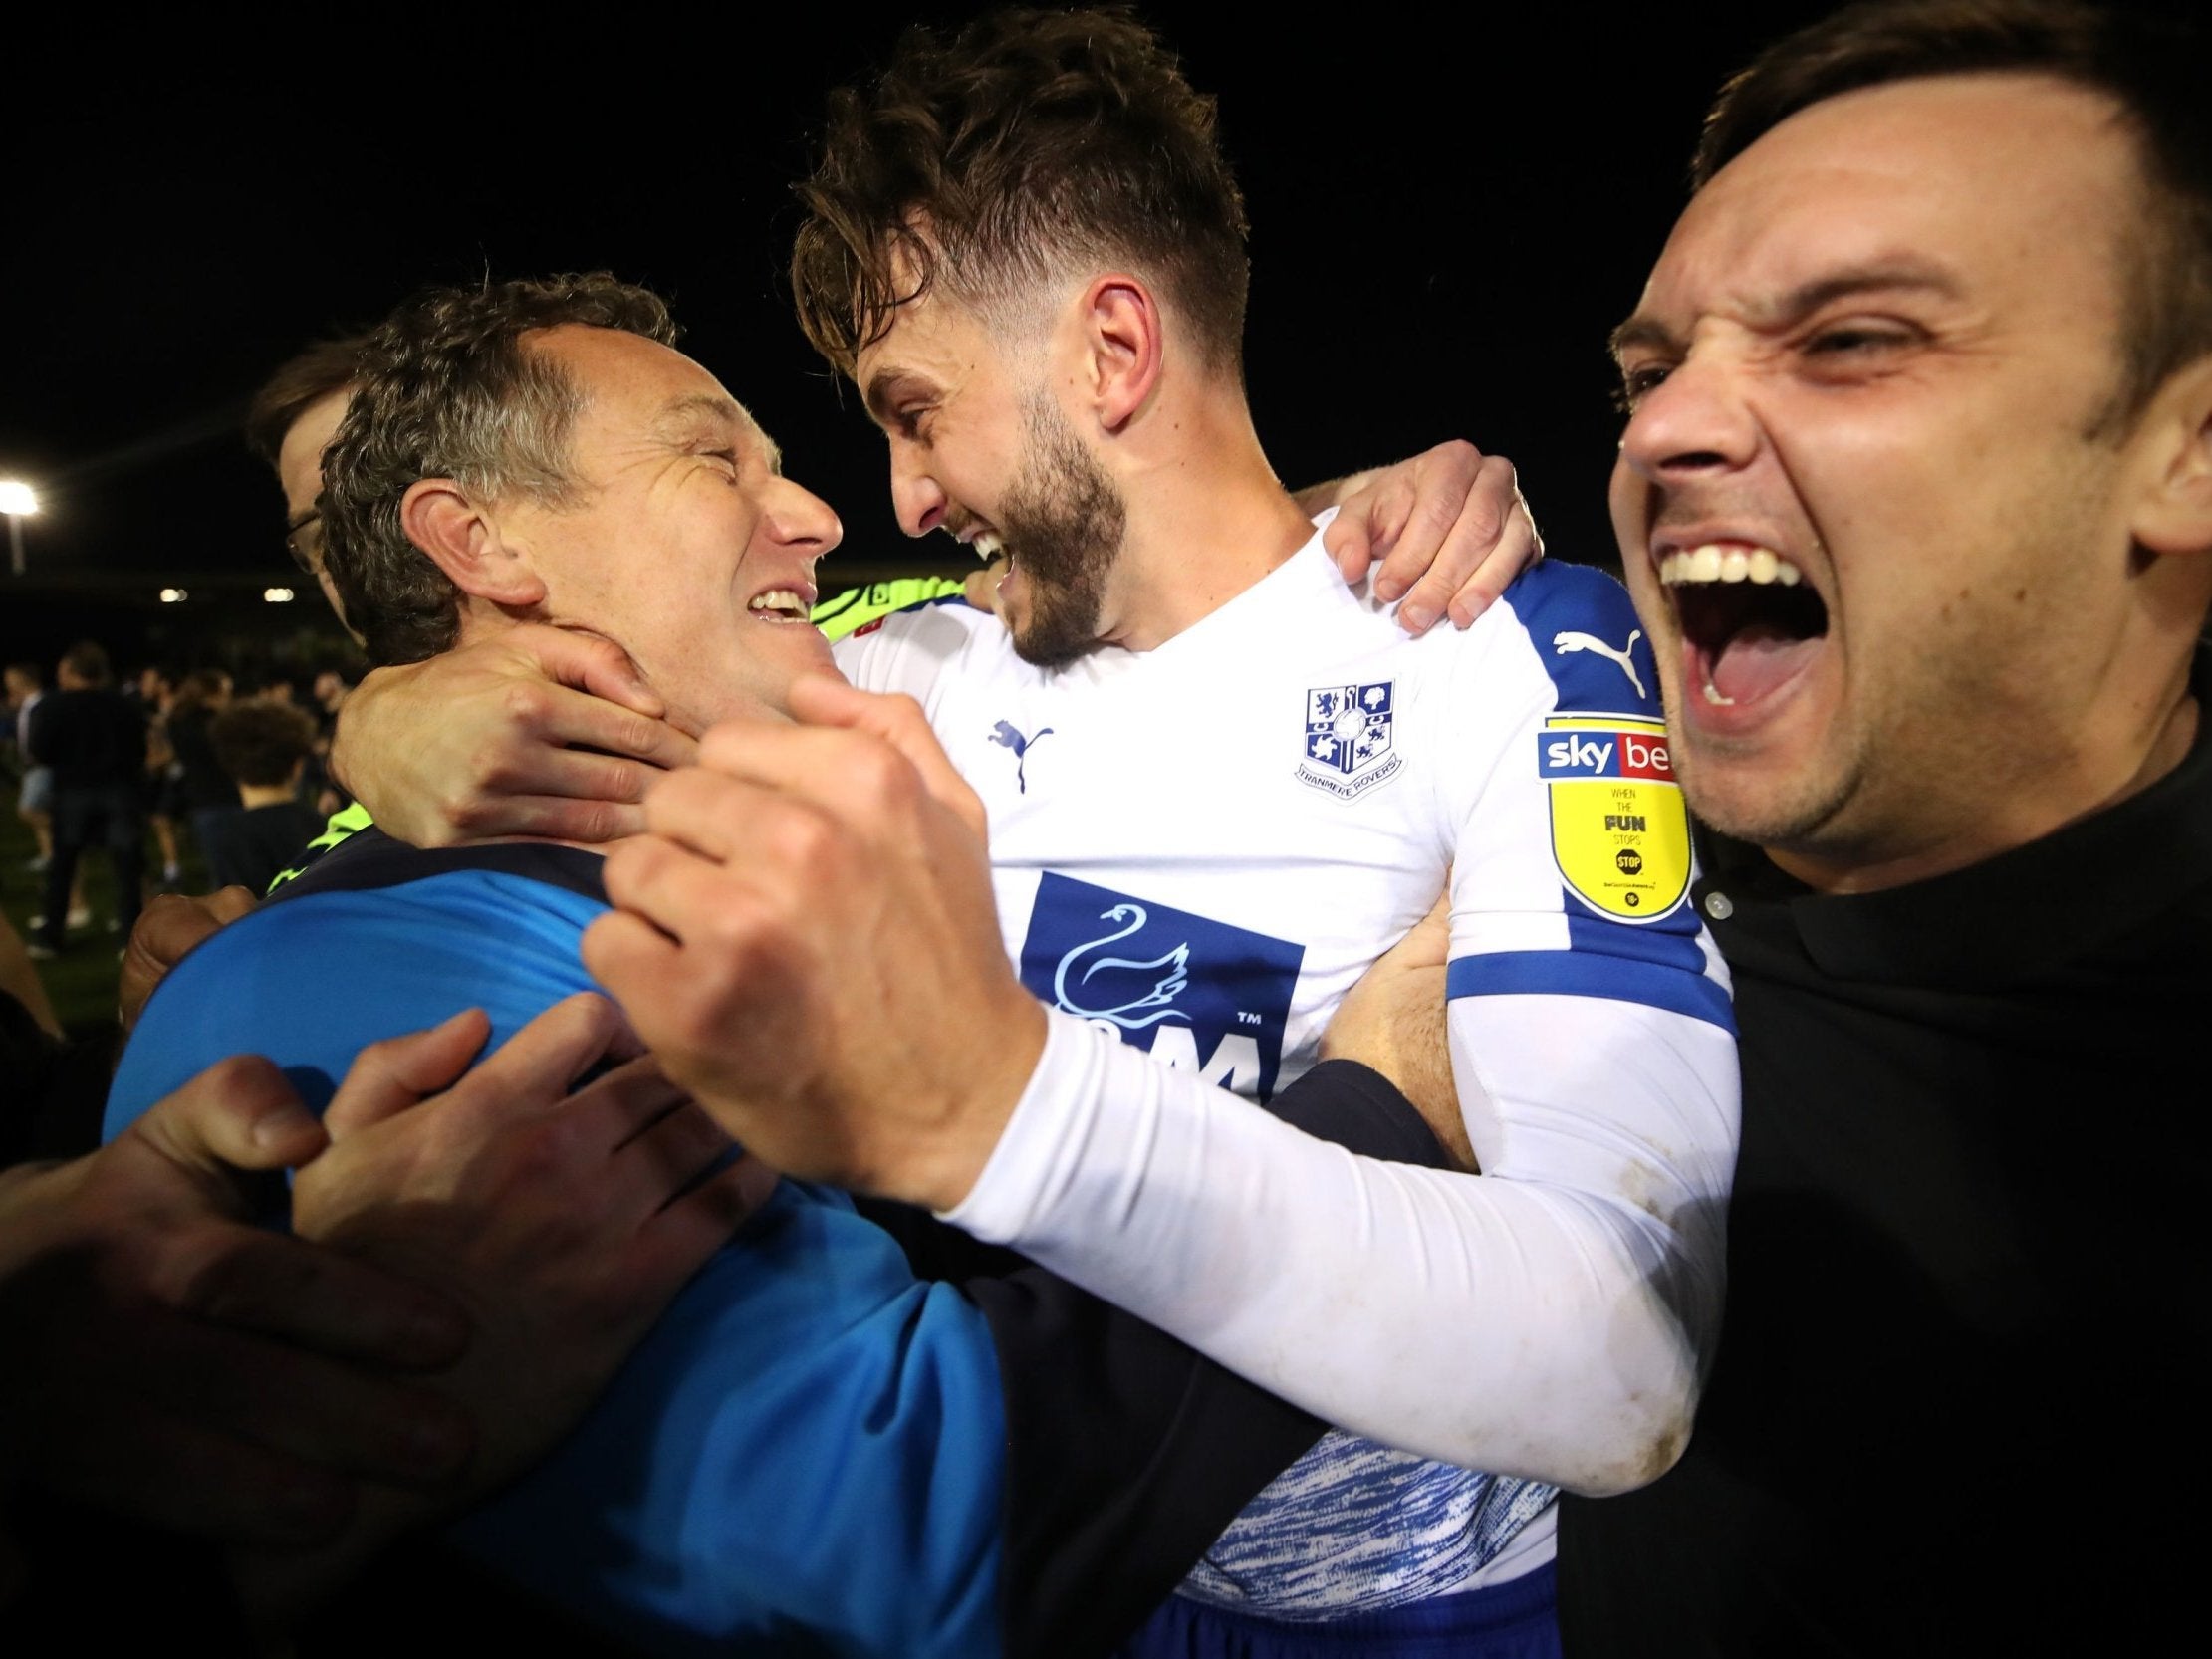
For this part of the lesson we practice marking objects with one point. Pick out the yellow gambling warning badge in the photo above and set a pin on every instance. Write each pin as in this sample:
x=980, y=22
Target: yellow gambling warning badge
x=1619, y=830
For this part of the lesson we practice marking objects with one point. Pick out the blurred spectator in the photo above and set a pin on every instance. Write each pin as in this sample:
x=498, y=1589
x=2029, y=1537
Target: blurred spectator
x=264, y=748
x=200, y=791
x=150, y=688
x=26, y=683
x=330, y=696
x=154, y=693
x=95, y=739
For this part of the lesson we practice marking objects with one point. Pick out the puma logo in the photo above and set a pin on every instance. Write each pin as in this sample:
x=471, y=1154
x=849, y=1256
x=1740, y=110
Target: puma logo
x=1007, y=737
x=1561, y=643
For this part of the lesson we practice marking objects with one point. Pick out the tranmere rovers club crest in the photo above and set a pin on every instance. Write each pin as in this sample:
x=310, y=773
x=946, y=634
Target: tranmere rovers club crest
x=1348, y=739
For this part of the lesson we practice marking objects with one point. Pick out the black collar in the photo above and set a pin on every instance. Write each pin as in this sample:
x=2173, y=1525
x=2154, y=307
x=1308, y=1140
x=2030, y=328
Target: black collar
x=370, y=858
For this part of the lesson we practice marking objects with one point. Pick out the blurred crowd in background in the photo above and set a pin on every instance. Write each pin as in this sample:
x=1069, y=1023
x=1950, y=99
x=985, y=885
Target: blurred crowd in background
x=168, y=782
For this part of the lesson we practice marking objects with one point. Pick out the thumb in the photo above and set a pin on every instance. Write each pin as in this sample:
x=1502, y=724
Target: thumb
x=388, y=1077
x=239, y=1113
x=822, y=701
x=588, y=662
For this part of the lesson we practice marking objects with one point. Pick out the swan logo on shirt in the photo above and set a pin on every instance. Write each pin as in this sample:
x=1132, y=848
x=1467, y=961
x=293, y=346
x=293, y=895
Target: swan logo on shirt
x=1348, y=739
x=1199, y=994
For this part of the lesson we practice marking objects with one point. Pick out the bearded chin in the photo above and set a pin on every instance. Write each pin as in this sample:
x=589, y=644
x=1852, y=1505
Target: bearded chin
x=1064, y=522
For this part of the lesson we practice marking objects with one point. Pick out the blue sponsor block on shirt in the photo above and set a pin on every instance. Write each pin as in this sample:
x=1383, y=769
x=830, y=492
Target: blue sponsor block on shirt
x=1195, y=991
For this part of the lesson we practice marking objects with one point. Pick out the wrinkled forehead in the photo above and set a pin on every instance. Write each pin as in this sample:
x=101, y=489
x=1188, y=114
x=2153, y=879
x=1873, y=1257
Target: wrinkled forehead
x=633, y=390
x=2013, y=184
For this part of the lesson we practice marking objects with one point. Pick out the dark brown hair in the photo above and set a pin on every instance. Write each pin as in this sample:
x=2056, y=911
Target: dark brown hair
x=2154, y=69
x=986, y=162
x=198, y=689
x=300, y=382
x=260, y=742
x=446, y=388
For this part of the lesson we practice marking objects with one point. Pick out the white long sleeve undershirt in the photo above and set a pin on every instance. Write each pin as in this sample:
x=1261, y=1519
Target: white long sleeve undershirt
x=1544, y=1319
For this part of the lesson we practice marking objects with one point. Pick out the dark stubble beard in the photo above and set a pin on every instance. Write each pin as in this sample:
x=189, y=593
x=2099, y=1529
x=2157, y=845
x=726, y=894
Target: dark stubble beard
x=1063, y=522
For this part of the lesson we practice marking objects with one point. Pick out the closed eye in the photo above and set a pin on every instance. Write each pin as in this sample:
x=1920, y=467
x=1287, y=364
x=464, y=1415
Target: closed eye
x=1858, y=338
x=1636, y=383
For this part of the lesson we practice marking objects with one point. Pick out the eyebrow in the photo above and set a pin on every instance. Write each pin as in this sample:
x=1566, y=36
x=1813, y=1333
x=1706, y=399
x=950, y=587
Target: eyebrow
x=883, y=389
x=694, y=405
x=1883, y=277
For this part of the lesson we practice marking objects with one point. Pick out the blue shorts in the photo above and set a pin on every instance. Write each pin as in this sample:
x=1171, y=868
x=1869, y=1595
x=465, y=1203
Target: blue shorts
x=1512, y=1620
x=38, y=791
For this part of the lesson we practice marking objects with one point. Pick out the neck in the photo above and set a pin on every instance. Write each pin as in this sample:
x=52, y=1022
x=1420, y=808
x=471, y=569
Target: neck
x=2116, y=758
x=264, y=795
x=1207, y=517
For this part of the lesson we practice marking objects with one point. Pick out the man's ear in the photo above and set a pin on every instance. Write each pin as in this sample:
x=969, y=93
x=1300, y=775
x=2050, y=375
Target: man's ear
x=2174, y=512
x=1125, y=347
x=463, y=538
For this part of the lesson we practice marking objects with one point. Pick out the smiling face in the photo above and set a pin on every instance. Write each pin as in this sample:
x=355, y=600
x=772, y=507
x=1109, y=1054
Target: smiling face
x=980, y=450
x=1865, y=498
x=684, y=542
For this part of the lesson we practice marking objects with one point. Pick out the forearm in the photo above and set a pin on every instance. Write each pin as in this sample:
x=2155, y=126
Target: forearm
x=1353, y=1287
x=1101, y=1526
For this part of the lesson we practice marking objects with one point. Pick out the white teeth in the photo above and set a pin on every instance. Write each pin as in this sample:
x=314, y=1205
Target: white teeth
x=1714, y=563
x=779, y=600
x=986, y=545
x=1714, y=697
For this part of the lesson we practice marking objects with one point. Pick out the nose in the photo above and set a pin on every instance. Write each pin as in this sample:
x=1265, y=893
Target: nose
x=797, y=517
x=1695, y=421
x=917, y=497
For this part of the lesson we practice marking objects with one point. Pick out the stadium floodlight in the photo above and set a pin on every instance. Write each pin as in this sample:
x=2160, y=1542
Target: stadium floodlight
x=276, y=595
x=172, y=595
x=17, y=500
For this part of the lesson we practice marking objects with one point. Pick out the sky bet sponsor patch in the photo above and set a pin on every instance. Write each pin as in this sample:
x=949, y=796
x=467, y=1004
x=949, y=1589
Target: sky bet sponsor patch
x=1198, y=994
x=1619, y=830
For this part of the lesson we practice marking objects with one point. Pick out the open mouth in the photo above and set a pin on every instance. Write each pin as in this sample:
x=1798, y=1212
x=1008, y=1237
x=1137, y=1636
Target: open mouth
x=781, y=606
x=1751, y=622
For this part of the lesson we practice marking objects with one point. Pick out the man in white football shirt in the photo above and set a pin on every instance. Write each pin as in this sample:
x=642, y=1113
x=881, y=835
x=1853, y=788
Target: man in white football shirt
x=1218, y=787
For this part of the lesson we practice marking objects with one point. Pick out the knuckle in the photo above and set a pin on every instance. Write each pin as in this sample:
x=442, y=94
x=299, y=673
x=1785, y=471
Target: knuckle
x=595, y=821
x=1482, y=522
x=525, y=703
x=1461, y=456
x=634, y=734
x=232, y=1077
x=466, y=814
x=617, y=779
x=803, y=836
x=201, y=1271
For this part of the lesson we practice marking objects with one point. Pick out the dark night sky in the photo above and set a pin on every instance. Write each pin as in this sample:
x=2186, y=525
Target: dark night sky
x=1448, y=216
